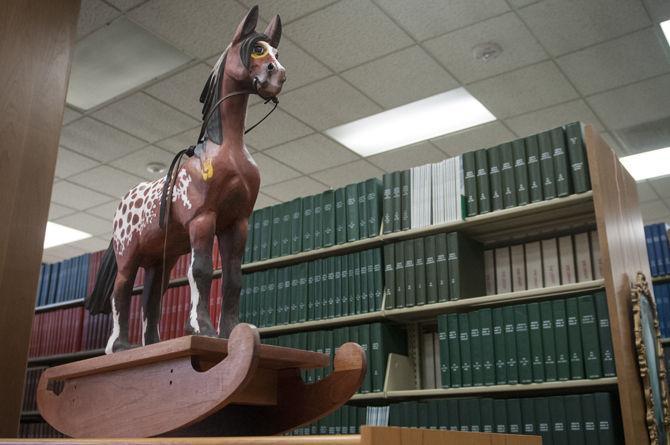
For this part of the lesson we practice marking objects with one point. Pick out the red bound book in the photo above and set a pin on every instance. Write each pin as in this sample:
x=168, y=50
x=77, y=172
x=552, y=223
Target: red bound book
x=186, y=307
x=179, y=308
x=131, y=320
x=61, y=331
x=39, y=344
x=174, y=321
x=137, y=328
x=86, y=320
x=167, y=299
x=163, y=321
x=78, y=329
x=212, y=301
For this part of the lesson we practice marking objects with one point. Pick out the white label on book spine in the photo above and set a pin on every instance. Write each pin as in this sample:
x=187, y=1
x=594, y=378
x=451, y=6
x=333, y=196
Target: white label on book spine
x=533, y=265
x=550, y=263
x=595, y=256
x=518, y=268
x=489, y=272
x=567, y=256
x=583, y=254
x=503, y=270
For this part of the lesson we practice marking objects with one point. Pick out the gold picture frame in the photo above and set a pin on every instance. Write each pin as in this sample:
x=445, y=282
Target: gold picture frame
x=650, y=361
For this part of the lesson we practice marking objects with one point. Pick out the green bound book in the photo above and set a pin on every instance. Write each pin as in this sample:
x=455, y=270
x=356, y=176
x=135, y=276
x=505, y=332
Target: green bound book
x=509, y=188
x=559, y=431
x=362, y=211
x=311, y=290
x=431, y=269
x=397, y=205
x=443, y=338
x=548, y=341
x=500, y=413
x=470, y=183
x=433, y=414
x=286, y=229
x=410, y=290
x=364, y=341
x=442, y=267
x=604, y=418
x=528, y=417
x=302, y=292
x=547, y=165
x=318, y=288
x=340, y=216
x=535, y=331
x=279, y=310
x=374, y=279
x=275, y=231
x=271, y=311
x=387, y=203
x=419, y=272
x=266, y=233
x=328, y=218
x=488, y=348
x=453, y=415
x=476, y=356
x=487, y=415
x=256, y=247
x=248, y=246
x=543, y=419
x=405, y=200
x=464, y=423
x=560, y=156
x=579, y=169
x=474, y=415
x=510, y=346
x=466, y=352
x=399, y=255
x=373, y=190
x=483, y=186
x=523, y=349
x=604, y=334
x=385, y=339
x=574, y=339
x=499, y=346
x=534, y=170
x=520, y=172
x=514, y=417
x=337, y=287
x=561, y=337
x=589, y=418
x=330, y=292
x=389, y=277
x=364, y=282
x=453, y=334
x=465, y=259
x=351, y=194
x=344, y=285
x=574, y=420
x=351, y=278
x=358, y=286
x=294, y=314
x=307, y=223
x=318, y=222
x=590, y=342
x=296, y=225
x=495, y=177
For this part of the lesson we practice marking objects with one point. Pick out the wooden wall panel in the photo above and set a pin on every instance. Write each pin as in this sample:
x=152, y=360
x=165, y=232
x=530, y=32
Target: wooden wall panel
x=36, y=42
x=623, y=254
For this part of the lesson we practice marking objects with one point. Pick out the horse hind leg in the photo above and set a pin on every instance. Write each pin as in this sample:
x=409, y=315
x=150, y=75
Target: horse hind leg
x=121, y=295
x=155, y=283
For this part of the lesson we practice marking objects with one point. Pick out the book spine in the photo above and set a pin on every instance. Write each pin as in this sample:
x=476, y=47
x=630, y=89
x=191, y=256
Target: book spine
x=454, y=350
x=561, y=338
x=483, y=185
x=387, y=204
x=470, y=182
x=431, y=270
x=389, y=277
x=373, y=189
x=328, y=218
x=558, y=429
x=535, y=334
x=604, y=419
x=567, y=260
x=605, y=335
x=574, y=419
x=583, y=253
x=520, y=172
x=510, y=346
x=362, y=210
x=560, y=157
x=308, y=223
x=442, y=267
x=397, y=201
x=548, y=341
x=503, y=270
x=523, y=350
x=589, y=331
x=419, y=272
x=489, y=272
x=443, y=335
x=405, y=200
x=453, y=264
x=534, y=270
x=351, y=193
x=399, y=255
x=487, y=347
x=466, y=354
x=318, y=221
x=475, y=349
x=518, y=258
x=509, y=187
x=534, y=170
x=495, y=177
x=286, y=229
x=589, y=418
x=410, y=290
x=266, y=226
x=499, y=346
x=574, y=339
x=579, y=171
x=340, y=216
x=550, y=263
x=547, y=165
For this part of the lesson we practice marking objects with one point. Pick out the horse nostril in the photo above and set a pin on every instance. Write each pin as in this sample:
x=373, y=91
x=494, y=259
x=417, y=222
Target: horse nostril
x=271, y=67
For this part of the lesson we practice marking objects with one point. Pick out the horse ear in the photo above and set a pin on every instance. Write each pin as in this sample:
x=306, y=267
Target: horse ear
x=247, y=25
x=274, y=31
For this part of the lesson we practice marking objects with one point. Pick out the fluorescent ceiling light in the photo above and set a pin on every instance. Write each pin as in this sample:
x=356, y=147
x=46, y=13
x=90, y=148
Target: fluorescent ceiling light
x=647, y=165
x=665, y=26
x=115, y=59
x=58, y=234
x=424, y=119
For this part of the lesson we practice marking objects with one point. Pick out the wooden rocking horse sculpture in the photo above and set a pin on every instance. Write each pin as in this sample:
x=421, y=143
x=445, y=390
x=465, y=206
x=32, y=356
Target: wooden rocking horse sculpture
x=196, y=385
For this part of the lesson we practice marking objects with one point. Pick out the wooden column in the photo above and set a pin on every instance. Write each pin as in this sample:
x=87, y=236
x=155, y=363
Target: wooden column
x=36, y=42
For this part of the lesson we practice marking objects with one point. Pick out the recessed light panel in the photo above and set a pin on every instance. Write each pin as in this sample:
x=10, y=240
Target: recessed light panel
x=57, y=234
x=665, y=26
x=428, y=118
x=647, y=165
x=115, y=59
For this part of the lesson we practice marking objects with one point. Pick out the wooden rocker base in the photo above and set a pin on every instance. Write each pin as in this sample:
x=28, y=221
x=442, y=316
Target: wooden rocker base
x=194, y=386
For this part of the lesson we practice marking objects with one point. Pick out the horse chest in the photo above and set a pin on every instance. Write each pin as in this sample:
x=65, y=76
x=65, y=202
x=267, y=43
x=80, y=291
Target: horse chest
x=236, y=190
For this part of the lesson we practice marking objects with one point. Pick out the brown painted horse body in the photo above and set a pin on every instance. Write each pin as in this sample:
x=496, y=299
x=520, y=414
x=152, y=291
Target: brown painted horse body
x=213, y=195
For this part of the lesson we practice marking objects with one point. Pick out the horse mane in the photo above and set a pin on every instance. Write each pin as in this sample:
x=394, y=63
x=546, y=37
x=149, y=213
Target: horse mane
x=209, y=97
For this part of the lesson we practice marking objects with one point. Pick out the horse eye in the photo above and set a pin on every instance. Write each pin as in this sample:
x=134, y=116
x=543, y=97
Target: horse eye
x=258, y=49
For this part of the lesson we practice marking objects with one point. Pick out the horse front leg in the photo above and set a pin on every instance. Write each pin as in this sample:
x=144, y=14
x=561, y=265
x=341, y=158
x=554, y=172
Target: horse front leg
x=201, y=233
x=231, y=248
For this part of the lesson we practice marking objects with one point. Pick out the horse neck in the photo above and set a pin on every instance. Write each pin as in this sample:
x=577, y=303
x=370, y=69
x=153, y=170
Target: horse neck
x=233, y=113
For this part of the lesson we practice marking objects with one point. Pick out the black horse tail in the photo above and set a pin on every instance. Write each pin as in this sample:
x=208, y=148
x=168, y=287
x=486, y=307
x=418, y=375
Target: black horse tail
x=99, y=302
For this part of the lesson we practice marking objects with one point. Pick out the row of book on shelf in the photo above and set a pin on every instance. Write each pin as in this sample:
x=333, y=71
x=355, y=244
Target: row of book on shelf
x=576, y=419
x=556, y=340
x=658, y=248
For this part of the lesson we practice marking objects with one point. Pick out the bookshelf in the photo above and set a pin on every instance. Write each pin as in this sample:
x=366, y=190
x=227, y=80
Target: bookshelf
x=611, y=207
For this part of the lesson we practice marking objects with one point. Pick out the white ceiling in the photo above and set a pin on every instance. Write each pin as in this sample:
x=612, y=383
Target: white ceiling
x=604, y=62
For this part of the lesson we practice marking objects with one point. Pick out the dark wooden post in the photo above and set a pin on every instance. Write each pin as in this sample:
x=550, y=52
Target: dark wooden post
x=36, y=45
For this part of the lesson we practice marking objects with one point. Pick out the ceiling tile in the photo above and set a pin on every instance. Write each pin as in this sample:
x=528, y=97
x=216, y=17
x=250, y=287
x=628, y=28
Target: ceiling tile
x=90, y=245
x=407, y=157
x=136, y=163
x=328, y=103
x=567, y=25
x=68, y=163
x=125, y=5
x=659, y=9
x=180, y=141
x=618, y=62
x=92, y=15
x=348, y=174
x=483, y=136
x=552, y=117
x=76, y=197
x=69, y=115
x=347, y=33
x=402, y=77
x=59, y=211
x=143, y=116
x=312, y=153
x=289, y=10
x=273, y=171
x=97, y=140
x=633, y=104
x=434, y=17
x=59, y=253
x=661, y=186
x=653, y=210
x=301, y=68
x=455, y=50
x=616, y=145
x=105, y=211
x=263, y=201
x=199, y=27
x=107, y=180
x=279, y=127
x=645, y=192
x=87, y=223
x=183, y=89
x=294, y=188
x=523, y=90
x=521, y=3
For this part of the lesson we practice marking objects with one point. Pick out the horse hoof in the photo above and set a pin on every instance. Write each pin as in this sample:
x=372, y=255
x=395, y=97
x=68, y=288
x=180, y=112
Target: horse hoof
x=122, y=346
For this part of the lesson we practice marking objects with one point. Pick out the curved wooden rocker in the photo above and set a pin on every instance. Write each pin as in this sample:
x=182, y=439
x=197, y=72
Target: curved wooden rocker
x=195, y=386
